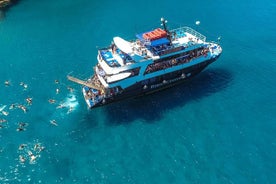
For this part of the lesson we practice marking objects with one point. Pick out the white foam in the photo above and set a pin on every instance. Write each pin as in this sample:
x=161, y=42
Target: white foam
x=71, y=101
x=67, y=106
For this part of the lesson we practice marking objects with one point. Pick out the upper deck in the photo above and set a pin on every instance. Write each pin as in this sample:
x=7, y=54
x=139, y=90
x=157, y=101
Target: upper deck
x=150, y=45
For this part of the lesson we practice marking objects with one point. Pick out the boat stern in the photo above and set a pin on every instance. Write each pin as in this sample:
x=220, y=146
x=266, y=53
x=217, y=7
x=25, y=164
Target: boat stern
x=93, y=97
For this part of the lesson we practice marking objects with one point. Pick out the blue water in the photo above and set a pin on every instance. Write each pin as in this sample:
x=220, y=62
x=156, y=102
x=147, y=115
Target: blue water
x=219, y=127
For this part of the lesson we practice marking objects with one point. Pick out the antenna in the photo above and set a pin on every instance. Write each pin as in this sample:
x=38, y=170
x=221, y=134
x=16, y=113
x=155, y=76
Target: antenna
x=165, y=28
x=164, y=24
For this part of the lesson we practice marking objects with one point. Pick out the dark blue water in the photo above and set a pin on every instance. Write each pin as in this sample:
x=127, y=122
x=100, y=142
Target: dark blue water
x=218, y=127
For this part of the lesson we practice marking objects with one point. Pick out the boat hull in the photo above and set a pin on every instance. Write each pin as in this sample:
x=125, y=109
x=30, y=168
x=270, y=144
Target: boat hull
x=156, y=84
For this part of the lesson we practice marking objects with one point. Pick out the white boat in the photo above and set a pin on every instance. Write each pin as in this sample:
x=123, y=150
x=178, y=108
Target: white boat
x=155, y=60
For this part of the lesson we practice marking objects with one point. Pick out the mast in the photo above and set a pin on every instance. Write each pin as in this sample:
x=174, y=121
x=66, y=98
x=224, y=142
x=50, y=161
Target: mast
x=165, y=28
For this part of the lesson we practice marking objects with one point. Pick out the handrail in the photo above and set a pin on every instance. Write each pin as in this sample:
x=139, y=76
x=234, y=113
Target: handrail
x=192, y=32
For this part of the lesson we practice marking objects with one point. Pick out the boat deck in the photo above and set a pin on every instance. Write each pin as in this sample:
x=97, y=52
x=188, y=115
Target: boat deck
x=115, y=58
x=149, y=45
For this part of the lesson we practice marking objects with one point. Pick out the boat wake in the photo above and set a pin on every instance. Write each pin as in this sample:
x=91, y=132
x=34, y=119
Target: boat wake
x=67, y=106
x=70, y=103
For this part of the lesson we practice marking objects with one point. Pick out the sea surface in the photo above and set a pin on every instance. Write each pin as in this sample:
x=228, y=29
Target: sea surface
x=219, y=127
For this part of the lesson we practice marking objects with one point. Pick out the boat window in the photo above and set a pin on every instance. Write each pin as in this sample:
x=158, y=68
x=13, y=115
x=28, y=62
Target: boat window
x=175, y=60
x=134, y=71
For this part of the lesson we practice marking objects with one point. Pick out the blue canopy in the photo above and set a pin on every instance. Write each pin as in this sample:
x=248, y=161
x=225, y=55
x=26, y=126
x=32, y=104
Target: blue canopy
x=154, y=43
x=161, y=41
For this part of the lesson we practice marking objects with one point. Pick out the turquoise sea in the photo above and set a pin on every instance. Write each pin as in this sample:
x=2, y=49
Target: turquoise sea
x=219, y=127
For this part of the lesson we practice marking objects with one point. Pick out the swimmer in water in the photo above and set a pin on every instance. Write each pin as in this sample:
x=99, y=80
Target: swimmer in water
x=71, y=108
x=12, y=106
x=60, y=106
x=21, y=126
x=29, y=100
x=22, y=159
x=57, y=91
x=70, y=89
x=19, y=129
x=56, y=81
x=3, y=120
x=54, y=122
x=51, y=101
x=23, y=108
x=5, y=113
x=7, y=83
x=22, y=146
x=38, y=148
x=32, y=157
x=25, y=86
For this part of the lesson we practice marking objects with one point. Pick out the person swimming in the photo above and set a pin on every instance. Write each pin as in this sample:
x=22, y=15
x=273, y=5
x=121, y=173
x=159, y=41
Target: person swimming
x=23, y=108
x=70, y=89
x=20, y=129
x=3, y=120
x=52, y=101
x=25, y=86
x=12, y=106
x=7, y=83
x=22, y=146
x=21, y=126
x=71, y=108
x=5, y=113
x=29, y=100
x=53, y=122
x=32, y=157
x=38, y=147
x=60, y=106
x=22, y=159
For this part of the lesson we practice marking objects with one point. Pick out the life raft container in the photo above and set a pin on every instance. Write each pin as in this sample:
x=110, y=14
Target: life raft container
x=155, y=34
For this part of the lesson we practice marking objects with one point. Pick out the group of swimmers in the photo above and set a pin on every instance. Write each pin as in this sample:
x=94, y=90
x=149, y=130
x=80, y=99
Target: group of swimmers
x=27, y=153
x=2, y=121
x=31, y=154
x=8, y=83
x=21, y=126
x=29, y=100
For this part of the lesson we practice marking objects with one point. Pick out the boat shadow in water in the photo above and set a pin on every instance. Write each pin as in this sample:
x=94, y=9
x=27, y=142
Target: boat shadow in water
x=152, y=107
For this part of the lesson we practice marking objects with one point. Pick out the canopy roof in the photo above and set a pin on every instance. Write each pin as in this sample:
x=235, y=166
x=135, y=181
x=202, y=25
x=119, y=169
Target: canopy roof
x=160, y=41
x=153, y=43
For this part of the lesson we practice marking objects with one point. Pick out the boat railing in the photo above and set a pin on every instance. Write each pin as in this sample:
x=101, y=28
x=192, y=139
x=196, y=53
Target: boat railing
x=190, y=31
